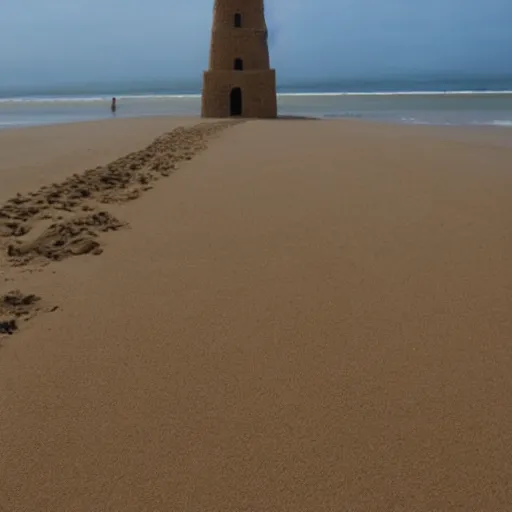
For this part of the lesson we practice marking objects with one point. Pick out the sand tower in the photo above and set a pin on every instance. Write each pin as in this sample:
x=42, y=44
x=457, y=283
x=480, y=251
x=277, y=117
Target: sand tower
x=239, y=81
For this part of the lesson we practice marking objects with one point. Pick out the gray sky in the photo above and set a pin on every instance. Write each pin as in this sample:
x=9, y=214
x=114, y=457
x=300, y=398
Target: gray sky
x=59, y=41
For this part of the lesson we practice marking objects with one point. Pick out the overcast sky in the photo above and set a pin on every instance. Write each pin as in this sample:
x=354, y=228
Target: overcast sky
x=58, y=41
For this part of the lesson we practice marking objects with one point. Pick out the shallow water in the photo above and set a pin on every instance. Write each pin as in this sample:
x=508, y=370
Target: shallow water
x=413, y=107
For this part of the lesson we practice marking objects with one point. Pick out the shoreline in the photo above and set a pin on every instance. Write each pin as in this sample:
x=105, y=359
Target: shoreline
x=320, y=325
x=462, y=108
x=486, y=134
x=106, y=96
x=470, y=127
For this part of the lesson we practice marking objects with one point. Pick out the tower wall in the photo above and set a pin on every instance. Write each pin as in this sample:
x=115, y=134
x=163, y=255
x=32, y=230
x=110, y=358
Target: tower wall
x=228, y=45
x=246, y=44
x=252, y=12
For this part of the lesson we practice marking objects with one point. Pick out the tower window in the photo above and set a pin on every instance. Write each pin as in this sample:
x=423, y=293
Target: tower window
x=238, y=65
x=238, y=20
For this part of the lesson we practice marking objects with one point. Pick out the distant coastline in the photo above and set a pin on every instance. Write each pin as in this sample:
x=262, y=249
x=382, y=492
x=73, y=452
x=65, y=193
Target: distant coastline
x=426, y=100
x=167, y=87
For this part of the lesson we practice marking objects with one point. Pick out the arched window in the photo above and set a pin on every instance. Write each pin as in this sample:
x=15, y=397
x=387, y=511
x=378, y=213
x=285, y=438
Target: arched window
x=238, y=20
x=238, y=65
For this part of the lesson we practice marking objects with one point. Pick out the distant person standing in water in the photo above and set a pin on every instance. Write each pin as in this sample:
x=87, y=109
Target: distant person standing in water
x=113, y=106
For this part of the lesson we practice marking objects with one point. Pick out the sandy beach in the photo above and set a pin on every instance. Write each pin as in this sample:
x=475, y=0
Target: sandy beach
x=290, y=315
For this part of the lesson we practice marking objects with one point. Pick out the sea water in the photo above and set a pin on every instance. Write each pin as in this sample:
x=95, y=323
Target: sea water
x=433, y=101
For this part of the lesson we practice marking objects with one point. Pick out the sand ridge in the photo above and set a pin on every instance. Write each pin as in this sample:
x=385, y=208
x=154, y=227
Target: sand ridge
x=67, y=218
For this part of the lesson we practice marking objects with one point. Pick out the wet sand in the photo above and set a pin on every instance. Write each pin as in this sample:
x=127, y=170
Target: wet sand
x=302, y=316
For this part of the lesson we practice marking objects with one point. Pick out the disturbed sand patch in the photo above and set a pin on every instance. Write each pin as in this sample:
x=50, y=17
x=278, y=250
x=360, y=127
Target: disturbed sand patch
x=67, y=218
x=15, y=305
x=78, y=235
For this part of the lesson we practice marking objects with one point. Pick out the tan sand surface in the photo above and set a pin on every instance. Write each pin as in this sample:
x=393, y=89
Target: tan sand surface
x=306, y=316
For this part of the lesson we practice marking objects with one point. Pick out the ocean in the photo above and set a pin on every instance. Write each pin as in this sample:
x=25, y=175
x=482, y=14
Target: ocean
x=431, y=100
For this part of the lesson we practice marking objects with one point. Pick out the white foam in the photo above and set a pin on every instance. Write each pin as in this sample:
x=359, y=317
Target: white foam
x=159, y=96
x=413, y=120
x=399, y=93
x=501, y=123
x=52, y=100
x=97, y=99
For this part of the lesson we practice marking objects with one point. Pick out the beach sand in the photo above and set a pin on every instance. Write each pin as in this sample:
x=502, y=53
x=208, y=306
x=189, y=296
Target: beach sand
x=303, y=316
x=33, y=157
